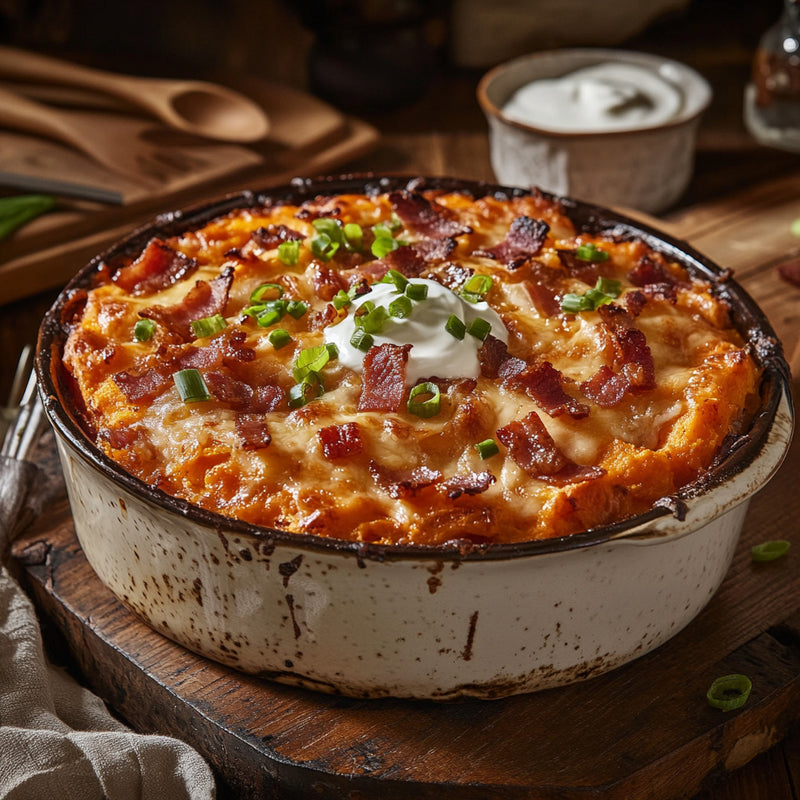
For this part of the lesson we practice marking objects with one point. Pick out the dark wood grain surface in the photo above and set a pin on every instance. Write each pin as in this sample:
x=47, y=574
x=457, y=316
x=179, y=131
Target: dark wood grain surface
x=657, y=743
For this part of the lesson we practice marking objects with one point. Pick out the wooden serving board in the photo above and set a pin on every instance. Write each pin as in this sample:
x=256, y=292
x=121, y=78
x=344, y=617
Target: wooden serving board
x=642, y=731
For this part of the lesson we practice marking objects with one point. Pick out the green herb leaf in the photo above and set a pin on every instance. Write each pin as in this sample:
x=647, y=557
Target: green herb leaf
x=279, y=337
x=18, y=210
x=604, y=292
x=311, y=359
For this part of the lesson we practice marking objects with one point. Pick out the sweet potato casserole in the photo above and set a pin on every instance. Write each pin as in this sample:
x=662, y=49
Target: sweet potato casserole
x=416, y=366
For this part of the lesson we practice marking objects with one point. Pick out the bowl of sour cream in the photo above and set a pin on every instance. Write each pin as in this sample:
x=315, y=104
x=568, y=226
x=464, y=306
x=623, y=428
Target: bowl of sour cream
x=612, y=127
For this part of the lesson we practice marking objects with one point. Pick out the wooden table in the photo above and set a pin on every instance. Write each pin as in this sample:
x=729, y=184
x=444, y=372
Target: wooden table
x=738, y=210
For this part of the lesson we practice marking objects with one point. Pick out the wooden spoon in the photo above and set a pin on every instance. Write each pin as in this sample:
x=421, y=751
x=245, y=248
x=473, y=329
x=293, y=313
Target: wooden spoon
x=197, y=107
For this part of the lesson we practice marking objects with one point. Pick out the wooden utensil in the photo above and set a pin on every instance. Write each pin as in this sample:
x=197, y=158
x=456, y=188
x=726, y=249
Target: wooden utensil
x=197, y=107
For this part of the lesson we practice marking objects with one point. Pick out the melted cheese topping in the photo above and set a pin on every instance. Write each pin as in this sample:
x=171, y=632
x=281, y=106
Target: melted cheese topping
x=644, y=446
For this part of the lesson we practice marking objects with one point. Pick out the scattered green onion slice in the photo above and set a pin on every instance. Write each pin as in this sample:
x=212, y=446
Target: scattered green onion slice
x=769, y=551
x=143, y=330
x=331, y=228
x=289, y=252
x=361, y=340
x=455, y=327
x=311, y=359
x=353, y=236
x=296, y=308
x=323, y=247
x=308, y=389
x=479, y=328
x=383, y=245
x=400, y=307
x=341, y=299
x=729, y=692
x=487, y=448
x=270, y=312
x=603, y=292
x=208, y=326
x=397, y=278
x=430, y=403
x=265, y=292
x=279, y=337
x=476, y=288
x=374, y=320
x=417, y=291
x=333, y=351
x=191, y=386
x=591, y=252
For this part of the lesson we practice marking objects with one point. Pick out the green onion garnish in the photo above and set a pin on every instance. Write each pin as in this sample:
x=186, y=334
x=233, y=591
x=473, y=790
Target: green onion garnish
x=397, y=278
x=323, y=247
x=208, y=326
x=289, y=252
x=361, y=340
x=143, y=330
x=479, y=328
x=296, y=308
x=769, y=551
x=591, y=252
x=308, y=389
x=604, y=291
x=430, y=403
x=729, y=692
x=373, y=320
x=191, y=386
x=17, y=210
x=267, y=291
x=455, y=327
x=311, y=359
x=332, y=228
x=383, y=245
x=333, y=351
x=353, y=236
x=417, y=291
x=487, y=448
x=279, y=337
x=400, y=307
x=270, y=312
x=341, y=299
x=476, y=288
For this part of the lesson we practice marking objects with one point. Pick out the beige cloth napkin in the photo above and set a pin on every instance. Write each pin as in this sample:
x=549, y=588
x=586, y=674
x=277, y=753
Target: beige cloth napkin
x=58, y=741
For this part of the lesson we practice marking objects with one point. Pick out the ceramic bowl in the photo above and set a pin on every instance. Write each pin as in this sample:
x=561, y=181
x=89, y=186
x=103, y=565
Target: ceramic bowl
x=646, y=168
x=408, y=621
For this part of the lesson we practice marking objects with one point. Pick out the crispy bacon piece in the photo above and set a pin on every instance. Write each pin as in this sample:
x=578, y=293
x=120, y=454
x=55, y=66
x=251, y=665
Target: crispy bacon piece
x=271, y=236
x=327, y=282
x=204, y=299
x=412, y=259
x=532, y=448
x=524, y=240
x=141, y=386
x=472, y=483
x=252, y=431
x=426, y=217
x=341, y=441
x=158, y=267
x=605, y=387
x=580, y=268
x=491, y=355
x=632, y=353
x=403, y=483
x=544, y=384
x=384, y=378
x=649, y=271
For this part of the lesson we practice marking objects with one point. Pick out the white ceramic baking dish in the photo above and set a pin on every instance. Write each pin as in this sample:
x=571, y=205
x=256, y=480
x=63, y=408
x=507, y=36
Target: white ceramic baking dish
x=369, y=621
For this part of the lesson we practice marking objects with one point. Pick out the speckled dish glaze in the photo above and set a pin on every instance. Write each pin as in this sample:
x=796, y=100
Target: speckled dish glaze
x=646, y=168
x=436, y=623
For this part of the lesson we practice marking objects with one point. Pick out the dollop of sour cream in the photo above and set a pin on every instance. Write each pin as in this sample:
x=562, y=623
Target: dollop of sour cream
x=604, y=97
x=435, y=352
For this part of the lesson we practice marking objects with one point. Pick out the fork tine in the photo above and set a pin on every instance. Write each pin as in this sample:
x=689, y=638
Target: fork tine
x=28, y=424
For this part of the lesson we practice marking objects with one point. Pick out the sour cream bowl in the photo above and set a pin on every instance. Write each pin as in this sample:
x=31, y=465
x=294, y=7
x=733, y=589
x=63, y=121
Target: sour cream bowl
x=606, y=126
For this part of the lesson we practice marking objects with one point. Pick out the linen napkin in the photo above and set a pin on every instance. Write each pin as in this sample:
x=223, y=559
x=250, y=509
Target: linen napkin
x=58, y=740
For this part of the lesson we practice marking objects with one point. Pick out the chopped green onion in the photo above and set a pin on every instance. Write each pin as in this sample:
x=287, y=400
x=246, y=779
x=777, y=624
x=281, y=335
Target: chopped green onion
x=729, y=692
x=330, y=227
x=417, y=291
x=16, y=211
x=487, y=448
x=383, y=245
x=308, y=389
x=289, y=252
x=476, y=288
x=455, y=327
x=374, y=320
x=395, y=223
x=296, y=308
x=431, y=402
x=270, y=312
x=323, y=247
x=353, y=236
x=365, y=308
x=191, y=386
x=400, y=307
x=311, y=359
x=361, y=340
x=769, y=551
x=591, y=252
x=208, y=326
x=397, y=278
x=603, y=292
x=341, y=299
x=479, y=328
x=279, y=337
x=333, y=351
x=259, y=295
x=143, y=330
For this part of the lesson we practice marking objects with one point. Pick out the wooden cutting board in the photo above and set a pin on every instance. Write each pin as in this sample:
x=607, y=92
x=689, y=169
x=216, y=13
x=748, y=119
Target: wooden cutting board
x=642, y=731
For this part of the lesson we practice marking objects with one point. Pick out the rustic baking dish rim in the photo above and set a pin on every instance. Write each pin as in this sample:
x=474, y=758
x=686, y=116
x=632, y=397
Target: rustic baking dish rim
x=749, y=319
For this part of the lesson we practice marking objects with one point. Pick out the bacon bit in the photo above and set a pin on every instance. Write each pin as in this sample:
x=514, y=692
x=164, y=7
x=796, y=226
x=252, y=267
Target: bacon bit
x=662, y=291
x=454, y=275
x=412, y=259
x=119, y=438
x=273, y=235
x=327, y=282
x=158, y=267
x=580, y=268
x=471, y=484
x=144, y=386
x=228, y=389
x=635, y=301
x=426, y=217
x=252, y=431
x=605, y=387
x=532, y=448
x=268, y=398
x=790, y=271
x=384, y=378
x=341, y=441
x=399, y=483
x=544, y=383
x=322, y=318
x=545, y=299
x=649, y=271
x=204, y=299
x=491, y=355
x=524, y=240
x=633, y=356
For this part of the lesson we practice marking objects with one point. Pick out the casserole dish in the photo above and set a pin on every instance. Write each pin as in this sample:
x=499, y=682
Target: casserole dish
x=404, y=620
